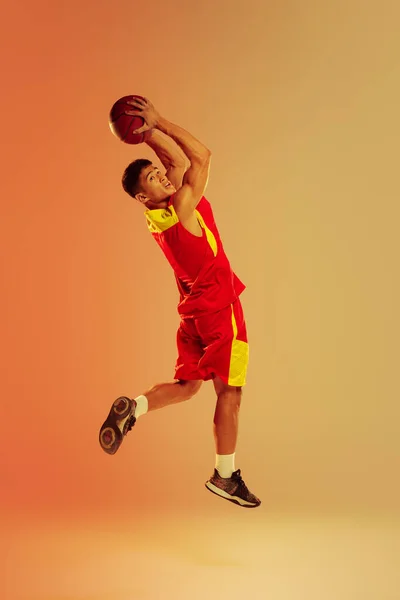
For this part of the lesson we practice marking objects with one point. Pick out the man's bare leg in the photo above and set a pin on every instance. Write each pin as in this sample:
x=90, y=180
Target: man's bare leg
x=124, y=411
x=226, y=482
x=163, y=394
x=226, y=417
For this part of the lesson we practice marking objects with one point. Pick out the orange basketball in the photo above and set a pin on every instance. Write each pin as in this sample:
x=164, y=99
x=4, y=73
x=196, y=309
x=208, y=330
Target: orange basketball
x=122, y=124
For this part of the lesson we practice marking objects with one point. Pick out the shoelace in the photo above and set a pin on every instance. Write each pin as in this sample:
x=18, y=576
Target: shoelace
x=240, y=482
x=242, y=486
x=130, y=423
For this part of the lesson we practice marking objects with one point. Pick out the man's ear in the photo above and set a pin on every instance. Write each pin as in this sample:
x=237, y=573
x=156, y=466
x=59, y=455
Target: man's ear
x=142, y=198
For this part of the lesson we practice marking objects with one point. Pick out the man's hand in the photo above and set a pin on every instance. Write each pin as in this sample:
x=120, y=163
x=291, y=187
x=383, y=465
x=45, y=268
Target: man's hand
x=145, y=109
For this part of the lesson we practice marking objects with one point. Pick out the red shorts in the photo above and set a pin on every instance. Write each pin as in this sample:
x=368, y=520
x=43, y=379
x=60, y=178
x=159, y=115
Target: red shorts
x=214, y=345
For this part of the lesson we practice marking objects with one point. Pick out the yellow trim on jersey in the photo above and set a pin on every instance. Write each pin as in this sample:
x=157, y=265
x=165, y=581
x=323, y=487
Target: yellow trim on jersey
x=161, y=219
x=209, y=234
x=239, y=359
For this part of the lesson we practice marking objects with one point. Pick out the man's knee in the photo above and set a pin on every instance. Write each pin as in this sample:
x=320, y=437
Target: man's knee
x=229, y=396
x=190, y=387
x=222, y=389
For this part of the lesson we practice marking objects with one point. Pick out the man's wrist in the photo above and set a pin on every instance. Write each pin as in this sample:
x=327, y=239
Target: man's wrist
x=162, y=124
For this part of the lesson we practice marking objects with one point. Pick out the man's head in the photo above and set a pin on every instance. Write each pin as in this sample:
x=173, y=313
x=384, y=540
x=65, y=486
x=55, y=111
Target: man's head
x=145, y=182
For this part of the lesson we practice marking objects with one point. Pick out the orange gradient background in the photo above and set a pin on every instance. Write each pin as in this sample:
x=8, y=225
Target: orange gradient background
x=299, y=103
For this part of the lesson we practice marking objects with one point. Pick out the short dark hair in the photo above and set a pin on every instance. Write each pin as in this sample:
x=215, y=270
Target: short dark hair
x=130, y=178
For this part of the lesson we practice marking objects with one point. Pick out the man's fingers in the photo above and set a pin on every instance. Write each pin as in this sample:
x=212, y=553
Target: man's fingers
x=135, y=106
x=137, y=102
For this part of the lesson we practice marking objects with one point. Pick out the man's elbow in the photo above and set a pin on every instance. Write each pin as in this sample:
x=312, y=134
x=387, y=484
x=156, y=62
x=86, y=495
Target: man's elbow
x=202, y=158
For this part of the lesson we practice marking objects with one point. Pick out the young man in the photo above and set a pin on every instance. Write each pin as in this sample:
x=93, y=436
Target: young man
x=211, y=339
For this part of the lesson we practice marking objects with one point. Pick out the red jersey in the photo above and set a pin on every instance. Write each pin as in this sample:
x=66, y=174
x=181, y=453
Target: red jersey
x=202, y=270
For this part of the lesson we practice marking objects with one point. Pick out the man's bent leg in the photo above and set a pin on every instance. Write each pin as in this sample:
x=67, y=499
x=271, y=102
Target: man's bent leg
x=124, y=411
x=163, y=394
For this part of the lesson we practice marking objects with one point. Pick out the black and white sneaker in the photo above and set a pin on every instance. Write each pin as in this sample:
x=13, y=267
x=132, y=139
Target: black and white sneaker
x=120, y=420
x=233, y=489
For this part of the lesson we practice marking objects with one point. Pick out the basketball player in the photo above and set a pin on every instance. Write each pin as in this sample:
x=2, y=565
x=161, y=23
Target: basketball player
x=211, y=339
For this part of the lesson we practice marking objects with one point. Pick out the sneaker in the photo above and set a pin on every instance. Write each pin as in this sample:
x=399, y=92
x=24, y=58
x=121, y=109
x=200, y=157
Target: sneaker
x=233, y=489
x=120, y=420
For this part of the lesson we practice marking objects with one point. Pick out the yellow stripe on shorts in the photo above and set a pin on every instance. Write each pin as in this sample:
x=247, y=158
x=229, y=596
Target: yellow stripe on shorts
x=239, y=359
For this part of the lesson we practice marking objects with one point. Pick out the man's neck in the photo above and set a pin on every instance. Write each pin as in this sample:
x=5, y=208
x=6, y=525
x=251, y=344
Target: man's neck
x=150, y=205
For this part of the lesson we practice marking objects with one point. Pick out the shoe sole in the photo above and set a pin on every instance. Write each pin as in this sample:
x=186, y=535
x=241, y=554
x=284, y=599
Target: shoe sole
x=225, y=496
x=114, y=427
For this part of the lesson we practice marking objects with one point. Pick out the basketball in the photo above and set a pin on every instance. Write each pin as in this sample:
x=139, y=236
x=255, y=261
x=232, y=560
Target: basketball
x=122, y=124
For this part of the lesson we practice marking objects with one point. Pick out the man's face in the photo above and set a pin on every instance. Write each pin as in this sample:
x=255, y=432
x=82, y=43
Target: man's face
x=155, y=187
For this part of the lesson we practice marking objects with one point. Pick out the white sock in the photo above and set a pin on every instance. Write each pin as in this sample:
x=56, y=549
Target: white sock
x=225, y=464
x=142, y=406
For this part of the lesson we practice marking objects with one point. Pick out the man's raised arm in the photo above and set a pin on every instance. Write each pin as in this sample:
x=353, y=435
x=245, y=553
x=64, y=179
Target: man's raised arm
x=196, y=177
x=194, y=150
x=170, y=154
